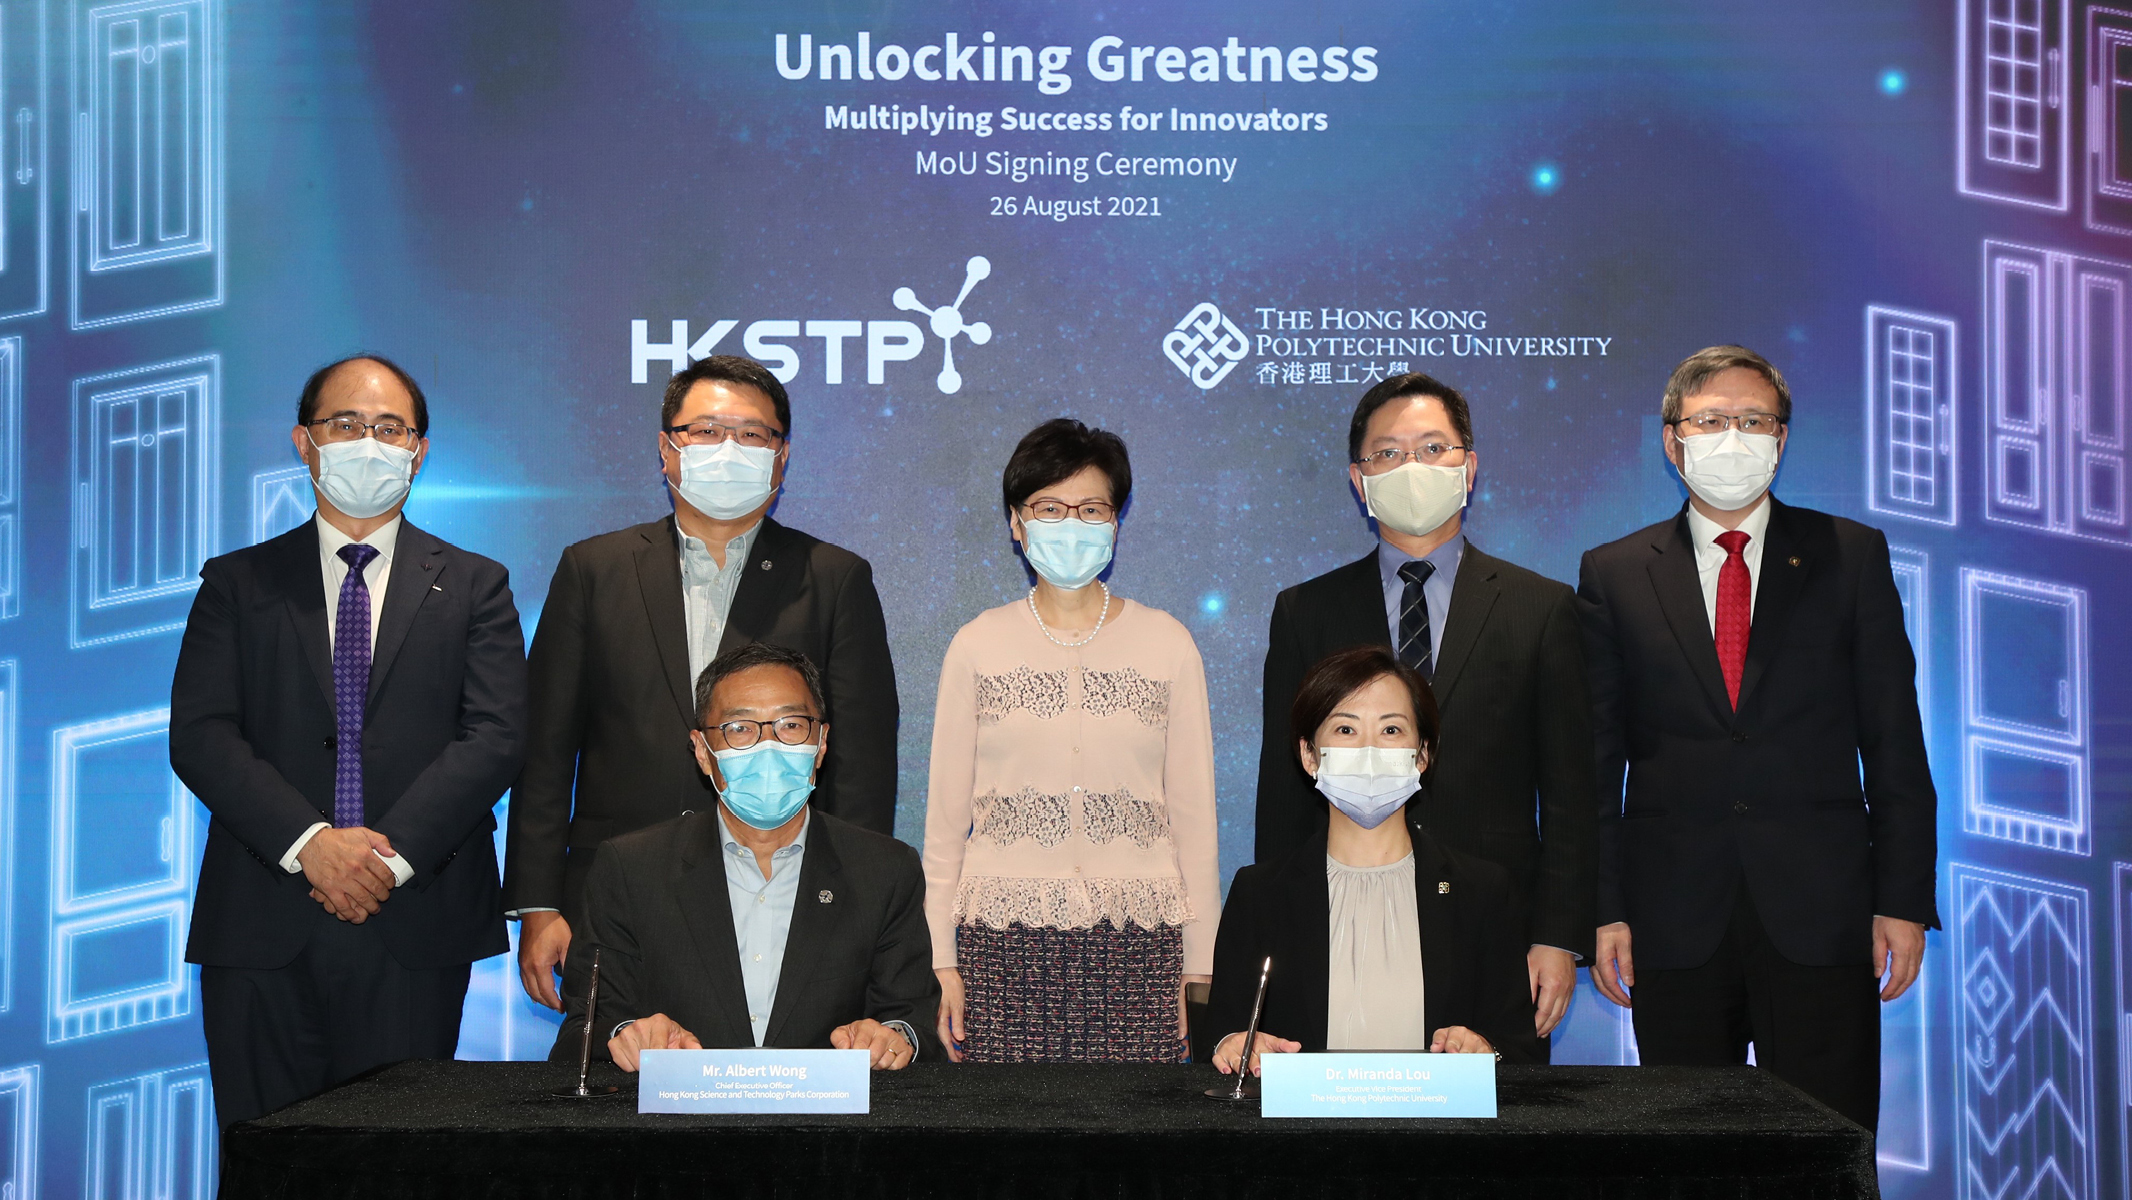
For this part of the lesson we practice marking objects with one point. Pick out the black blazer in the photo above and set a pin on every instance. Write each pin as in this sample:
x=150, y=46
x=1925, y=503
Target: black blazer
x=1516, y=736
x=1472, y=952
x=1772, y=795
x=657, y=907
x=612, y=701
x=252, y=734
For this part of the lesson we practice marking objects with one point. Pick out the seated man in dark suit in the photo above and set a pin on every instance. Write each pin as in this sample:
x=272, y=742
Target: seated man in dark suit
x=761, y=923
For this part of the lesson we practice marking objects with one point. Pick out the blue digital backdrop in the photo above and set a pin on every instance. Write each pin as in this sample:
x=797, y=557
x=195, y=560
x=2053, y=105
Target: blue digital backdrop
x=1208, y=227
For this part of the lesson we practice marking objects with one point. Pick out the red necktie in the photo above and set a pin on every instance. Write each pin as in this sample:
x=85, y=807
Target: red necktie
x=1735, y=607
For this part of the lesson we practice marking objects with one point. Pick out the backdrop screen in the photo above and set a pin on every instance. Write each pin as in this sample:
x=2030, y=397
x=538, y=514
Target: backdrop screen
x=1207, y=227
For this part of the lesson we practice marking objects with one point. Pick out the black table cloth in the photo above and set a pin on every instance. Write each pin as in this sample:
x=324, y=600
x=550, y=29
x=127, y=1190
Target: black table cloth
x=481, y=1130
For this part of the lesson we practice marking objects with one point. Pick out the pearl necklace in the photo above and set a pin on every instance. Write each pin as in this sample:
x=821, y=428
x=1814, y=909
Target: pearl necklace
x=1100, y=618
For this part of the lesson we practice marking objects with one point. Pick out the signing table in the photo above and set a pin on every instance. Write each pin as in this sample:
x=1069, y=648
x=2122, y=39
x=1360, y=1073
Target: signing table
x=465, y=1129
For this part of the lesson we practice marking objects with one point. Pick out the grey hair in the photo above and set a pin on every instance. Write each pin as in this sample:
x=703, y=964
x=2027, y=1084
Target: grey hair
x=749, y=656
x=1704, y=365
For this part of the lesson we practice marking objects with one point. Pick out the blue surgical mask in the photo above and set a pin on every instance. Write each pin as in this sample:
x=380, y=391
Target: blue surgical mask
x=365, y=477
x=766, y=783
x=1069, y=554
x=726, y=480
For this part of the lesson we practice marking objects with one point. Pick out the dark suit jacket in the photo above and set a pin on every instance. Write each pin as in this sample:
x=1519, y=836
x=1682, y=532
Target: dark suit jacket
x=1771, y=795
x=1516, y=729
x=1472, y=952
x=656, y=905
x=252, y=734
x=612, y=701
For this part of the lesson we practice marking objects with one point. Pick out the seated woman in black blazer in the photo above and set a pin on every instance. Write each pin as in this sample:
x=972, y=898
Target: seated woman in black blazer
x=1381, y=938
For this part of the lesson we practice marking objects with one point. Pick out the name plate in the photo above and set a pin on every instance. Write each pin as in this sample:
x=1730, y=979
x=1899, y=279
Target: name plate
x=754, y=1081
x=1377, y=1085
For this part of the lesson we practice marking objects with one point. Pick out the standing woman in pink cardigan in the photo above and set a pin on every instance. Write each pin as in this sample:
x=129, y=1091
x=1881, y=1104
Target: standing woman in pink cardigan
x=1071, y=874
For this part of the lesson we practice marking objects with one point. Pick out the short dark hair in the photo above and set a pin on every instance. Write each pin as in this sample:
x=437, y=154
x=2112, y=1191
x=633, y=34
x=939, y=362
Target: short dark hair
x=747, y=657
x=1414, y=383
x=730, y=368
x=1706, y=364
x=1059, y=449
x=307, y=404
x=1343, y=673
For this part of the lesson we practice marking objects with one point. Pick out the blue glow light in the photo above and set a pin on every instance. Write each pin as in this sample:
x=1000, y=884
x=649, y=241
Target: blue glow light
x=1213, y=604
x=1546, y=178
x=1893, y=82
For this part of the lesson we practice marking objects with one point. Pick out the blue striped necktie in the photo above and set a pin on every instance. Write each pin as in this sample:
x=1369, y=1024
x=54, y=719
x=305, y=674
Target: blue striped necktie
x=1414, y=618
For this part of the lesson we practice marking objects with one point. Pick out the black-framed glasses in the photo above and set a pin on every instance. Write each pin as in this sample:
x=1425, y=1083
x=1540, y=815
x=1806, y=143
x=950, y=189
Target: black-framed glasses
x=794, y=730
x=348, y=429
x=1095, y=512
x=1716, y=422
x=710, y=433
x=1431, y=454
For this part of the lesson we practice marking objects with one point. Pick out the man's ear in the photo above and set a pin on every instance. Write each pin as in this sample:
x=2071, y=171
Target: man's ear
x=821, y=749
x=705, y=760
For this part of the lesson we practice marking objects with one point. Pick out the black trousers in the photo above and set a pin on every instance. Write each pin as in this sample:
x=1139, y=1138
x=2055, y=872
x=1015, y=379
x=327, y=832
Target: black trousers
x=344, y=1006
x=1816, y=1028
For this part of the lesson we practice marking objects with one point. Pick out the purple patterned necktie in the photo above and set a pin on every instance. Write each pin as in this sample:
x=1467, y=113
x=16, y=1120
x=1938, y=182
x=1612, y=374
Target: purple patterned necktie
x=351, y=685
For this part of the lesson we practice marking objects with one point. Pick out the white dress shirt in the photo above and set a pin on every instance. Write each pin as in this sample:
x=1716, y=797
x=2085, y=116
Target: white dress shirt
x=334, y=572
x=1710, y=557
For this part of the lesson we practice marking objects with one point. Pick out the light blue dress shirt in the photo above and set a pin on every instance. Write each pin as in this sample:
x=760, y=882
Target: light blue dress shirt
x=707, y=591
x=762, y=916
x=1435, y=591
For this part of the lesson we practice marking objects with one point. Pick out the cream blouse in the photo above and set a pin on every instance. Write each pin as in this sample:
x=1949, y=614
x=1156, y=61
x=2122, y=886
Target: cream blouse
x=1073, y=786
x=1374, y=993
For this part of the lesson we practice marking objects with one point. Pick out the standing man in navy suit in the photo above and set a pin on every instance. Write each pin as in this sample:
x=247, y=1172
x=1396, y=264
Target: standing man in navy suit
x=349, y=704
x=632, y=619
x=1774, y=851
x=1501, y=650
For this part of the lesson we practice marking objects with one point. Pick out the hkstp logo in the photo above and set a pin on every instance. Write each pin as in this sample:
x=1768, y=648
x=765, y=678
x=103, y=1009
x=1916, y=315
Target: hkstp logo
x=886, y=341
x=1206, y=346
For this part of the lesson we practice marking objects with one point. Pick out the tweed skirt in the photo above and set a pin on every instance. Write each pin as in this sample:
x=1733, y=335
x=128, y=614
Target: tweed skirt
x=1070, y=995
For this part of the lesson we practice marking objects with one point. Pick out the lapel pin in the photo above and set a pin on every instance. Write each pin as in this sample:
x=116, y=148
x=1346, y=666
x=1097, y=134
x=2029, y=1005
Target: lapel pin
x=766, y=564
x=433, y=587
x=1443, y=887
x=1795, y=560
x=825, y=896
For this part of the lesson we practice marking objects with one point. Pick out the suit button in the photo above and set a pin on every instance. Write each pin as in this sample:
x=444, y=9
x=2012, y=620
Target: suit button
x=1737, y=736
x=688, y=812
x=1739, y=806
x=328, y=743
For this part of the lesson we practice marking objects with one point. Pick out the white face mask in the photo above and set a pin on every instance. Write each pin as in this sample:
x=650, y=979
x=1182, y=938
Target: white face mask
x=365, y=477
x=1729, y=470
x=1414, y=499
x=726, y=480
x=1368, y=783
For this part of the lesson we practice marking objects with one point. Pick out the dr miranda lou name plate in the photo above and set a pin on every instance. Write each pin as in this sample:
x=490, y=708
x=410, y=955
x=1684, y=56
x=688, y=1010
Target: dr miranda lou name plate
x=1377, y=1085
x=754, y=1081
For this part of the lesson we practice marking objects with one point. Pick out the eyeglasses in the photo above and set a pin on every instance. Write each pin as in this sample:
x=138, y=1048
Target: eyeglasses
x=1430, y=454
x=1095, y=512
x=1714, y=422
x=794, y=730
x=710, y=433
x=348, y=429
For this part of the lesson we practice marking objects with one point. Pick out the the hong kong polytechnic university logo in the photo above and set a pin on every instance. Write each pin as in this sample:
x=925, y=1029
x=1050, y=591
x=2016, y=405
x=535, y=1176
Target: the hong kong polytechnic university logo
x=1205, y=345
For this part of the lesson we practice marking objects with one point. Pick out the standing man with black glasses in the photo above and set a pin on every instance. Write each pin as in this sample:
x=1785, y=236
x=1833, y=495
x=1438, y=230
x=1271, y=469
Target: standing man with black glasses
x=349, y=703
x=634, y=616
x=1773, y=851
x=1500, y=647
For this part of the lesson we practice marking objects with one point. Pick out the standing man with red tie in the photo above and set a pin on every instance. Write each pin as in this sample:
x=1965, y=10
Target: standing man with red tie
x=1773, y=851
x=349, y=703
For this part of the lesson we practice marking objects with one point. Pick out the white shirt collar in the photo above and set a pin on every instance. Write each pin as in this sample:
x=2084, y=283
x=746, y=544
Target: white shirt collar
x=1702, y=531
x=383, y=539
